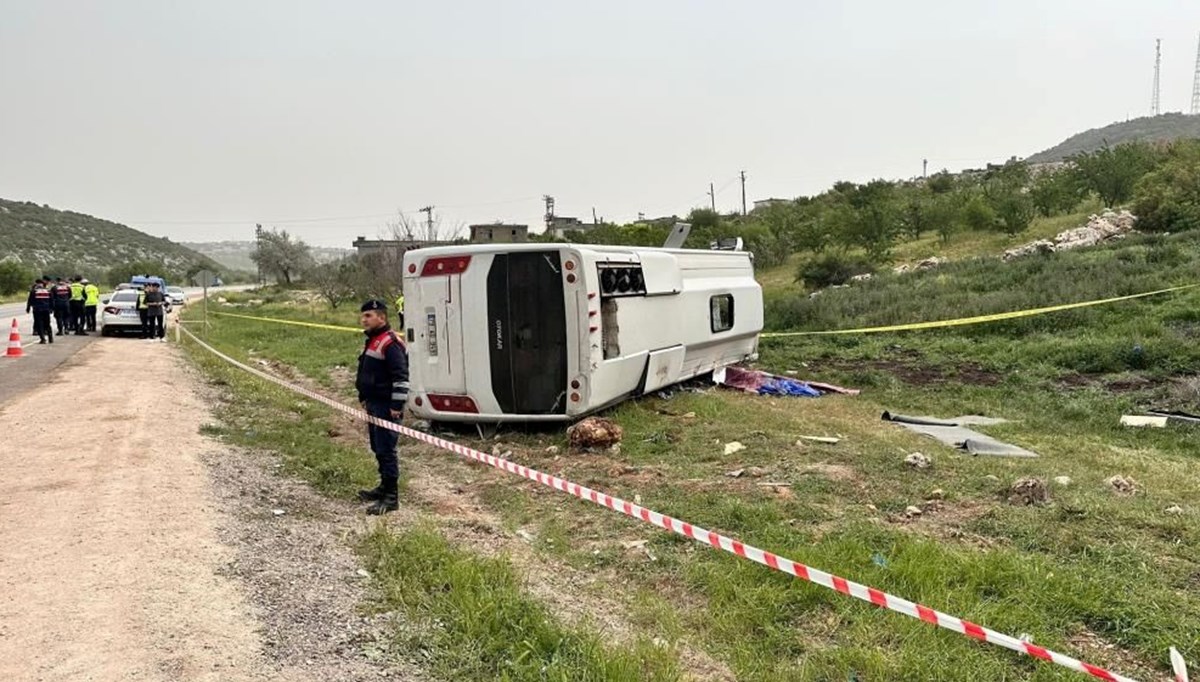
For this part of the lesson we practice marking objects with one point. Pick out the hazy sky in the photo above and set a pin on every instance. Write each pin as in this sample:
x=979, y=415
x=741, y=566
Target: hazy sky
x=195, y=120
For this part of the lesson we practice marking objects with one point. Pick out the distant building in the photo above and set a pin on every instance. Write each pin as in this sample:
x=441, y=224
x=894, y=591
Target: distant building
x=499, y=233
x=765, y=203
x=559, y=225
x=392, y=248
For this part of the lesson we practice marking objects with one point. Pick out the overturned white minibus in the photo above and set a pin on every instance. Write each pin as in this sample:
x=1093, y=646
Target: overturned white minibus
x=544, y=332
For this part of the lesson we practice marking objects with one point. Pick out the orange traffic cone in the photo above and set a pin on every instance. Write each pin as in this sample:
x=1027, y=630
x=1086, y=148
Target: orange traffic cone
x=14, y=342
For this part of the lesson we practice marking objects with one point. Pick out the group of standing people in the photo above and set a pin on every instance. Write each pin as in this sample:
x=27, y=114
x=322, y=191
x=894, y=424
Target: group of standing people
x=72, y=306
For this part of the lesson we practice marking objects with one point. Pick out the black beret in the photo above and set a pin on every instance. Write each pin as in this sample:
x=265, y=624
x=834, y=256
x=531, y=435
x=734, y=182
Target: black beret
x=374, y=304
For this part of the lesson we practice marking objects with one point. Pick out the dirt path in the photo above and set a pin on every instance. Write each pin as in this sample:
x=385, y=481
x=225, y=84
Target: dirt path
x=121, y=558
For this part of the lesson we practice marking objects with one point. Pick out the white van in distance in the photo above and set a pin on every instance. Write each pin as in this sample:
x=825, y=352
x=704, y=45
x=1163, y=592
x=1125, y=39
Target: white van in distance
x=553, y=332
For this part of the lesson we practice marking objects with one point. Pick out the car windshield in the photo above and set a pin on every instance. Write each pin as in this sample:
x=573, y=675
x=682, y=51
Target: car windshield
x=174, y=290
x=126, y=296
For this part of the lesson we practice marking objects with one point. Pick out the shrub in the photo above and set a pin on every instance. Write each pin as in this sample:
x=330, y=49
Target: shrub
x=832, y=268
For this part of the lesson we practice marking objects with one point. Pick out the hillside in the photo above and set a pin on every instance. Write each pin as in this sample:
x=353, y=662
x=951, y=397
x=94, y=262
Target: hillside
x=236, y=254
x=1149, y=128
x=66, y=241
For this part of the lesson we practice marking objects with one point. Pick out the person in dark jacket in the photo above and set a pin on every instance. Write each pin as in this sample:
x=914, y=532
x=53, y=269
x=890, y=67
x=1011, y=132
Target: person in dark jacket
x=42, y=304
x=61, y=295
x=382, y=384
x=155, y=306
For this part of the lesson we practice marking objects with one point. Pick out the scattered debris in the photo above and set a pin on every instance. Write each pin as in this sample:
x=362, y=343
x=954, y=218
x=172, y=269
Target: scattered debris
x=526, y=535
x=937, y=494
x=688, y=415
x=991, y=478
x=595, y=432
x=862, y=278
x=733, y=447
x=1122, y=485
x=363, y=573
x=757, y=472
x=912, y=510
x=1173, y=509
x=1135, y=420
x=762, y=383
x=278, y=512
x=820, y=439
x=736, y=473
x=1101, y=228
x=879, y=560
x=926, y=264
x=954, y=432
x=553, y=449
x=615, y=449
x=1027, y=491
x=495, y=451
x=634, y=544
x=1064, y=481
x=918, y=461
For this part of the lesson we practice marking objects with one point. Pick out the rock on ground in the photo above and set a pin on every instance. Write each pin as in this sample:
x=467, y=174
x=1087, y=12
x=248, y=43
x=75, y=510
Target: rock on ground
x=595, y=432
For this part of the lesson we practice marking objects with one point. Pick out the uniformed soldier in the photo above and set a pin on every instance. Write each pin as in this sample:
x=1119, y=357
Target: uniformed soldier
x=78, y=296
x=382, y=384
x=154, y=300
x=91, y=301
x=61, y=295
x=42, y=304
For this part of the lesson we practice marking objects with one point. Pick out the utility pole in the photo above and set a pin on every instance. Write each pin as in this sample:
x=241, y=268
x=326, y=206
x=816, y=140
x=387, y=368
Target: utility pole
x=743, y=174
x=1196, y=85
x=258, y=231
x=712, y=197
x=924, y=168
x=1155, y=109
x=428, y=211
x=595, y=221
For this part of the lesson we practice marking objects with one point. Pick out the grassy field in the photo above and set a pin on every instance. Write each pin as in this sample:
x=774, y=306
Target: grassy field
x=1106, y=576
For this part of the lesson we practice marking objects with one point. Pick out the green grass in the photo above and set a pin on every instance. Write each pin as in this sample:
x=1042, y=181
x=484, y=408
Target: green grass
x=473, y=620
x=1108, y=578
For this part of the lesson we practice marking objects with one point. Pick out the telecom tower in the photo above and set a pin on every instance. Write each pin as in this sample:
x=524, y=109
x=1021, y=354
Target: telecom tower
x=1196, y=85
x=1155, y=109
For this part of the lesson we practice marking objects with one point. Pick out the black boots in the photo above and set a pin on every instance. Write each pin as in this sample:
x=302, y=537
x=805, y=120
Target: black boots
x=371, y=495
x=384, y=498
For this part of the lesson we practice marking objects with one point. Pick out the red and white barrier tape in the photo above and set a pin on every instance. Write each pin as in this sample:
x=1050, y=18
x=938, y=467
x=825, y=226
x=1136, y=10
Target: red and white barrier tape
x=716, y=540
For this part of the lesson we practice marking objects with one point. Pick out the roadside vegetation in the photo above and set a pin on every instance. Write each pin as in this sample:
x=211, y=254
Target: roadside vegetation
x=1104, y=568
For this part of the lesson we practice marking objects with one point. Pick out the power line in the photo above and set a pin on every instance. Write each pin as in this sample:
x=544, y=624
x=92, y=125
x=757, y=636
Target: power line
x=291, y=221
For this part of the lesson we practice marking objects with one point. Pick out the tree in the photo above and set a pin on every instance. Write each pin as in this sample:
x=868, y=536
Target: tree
x=867, y=217
x=1169, y=198
x=914, y=217
x=334, y=282
x=407, y=228
x=1113, y=172
x=1015, y=212
x=978, y=214
x=1055, y=192
x=14, y=278
x=279, y=254
x=945, y=215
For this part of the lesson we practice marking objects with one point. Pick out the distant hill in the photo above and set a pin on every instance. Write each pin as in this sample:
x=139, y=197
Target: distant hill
x=1149, y=129
x=68, y=242
x=236, y=255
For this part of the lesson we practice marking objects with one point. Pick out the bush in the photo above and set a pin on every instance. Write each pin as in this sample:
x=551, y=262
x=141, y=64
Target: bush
x=978, y=215
x=1168, y=199
x=832, y=268
x=14, y=278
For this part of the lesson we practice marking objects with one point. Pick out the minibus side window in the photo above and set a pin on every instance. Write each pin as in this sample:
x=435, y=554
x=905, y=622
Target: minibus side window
x=721, y=313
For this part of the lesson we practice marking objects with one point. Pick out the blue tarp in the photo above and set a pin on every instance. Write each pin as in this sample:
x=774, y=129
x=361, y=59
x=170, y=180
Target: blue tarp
x=788, y=387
